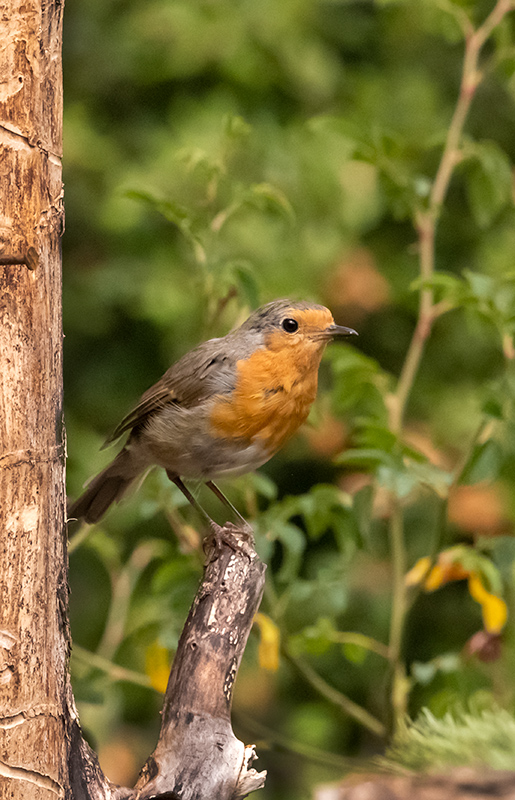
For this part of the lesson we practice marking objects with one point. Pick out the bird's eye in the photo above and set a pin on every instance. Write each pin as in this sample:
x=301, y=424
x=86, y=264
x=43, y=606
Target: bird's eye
x=290, y=325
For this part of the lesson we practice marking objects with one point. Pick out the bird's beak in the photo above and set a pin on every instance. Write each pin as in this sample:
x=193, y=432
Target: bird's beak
x=335, y=331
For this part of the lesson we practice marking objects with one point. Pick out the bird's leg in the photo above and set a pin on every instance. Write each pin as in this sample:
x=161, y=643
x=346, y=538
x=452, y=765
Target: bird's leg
x=188, y=495
x=214, y=488
x=243, y=532
x=219, y=533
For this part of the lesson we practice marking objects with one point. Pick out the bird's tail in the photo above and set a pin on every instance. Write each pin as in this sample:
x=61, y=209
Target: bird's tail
x=106, y=488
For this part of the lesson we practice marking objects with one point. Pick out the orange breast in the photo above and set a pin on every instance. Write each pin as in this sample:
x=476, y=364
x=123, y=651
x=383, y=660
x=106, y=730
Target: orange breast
x=274, y=391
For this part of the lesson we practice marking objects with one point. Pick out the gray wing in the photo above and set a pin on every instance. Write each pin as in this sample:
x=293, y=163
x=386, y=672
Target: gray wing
x=201, y=373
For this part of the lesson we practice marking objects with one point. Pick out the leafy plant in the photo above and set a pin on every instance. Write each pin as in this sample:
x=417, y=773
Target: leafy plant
x=481, y=738
x=359, y=154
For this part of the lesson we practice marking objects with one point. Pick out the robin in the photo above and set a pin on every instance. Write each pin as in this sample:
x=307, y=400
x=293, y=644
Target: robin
x=224, y=408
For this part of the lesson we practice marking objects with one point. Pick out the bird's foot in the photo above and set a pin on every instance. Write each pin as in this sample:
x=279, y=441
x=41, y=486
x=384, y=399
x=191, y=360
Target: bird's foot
x=240, y=538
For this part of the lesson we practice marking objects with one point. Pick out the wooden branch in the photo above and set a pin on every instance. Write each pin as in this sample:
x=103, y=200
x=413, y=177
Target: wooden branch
x=198, y=755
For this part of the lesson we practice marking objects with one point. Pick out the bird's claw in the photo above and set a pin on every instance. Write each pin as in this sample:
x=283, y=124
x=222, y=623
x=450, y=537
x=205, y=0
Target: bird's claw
x=240, y=538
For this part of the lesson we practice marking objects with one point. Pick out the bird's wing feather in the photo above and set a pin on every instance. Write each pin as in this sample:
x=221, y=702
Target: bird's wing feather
x=200, y=374
x=156, y=398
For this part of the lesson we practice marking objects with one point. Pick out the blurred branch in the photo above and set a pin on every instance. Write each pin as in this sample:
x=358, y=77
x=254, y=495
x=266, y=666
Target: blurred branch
x=315, y=754
x=426, y=220
x=115, y=672
x=361, y=640
x=399, y=610
x=123, y=581
x=347, y=705
x=78, y=538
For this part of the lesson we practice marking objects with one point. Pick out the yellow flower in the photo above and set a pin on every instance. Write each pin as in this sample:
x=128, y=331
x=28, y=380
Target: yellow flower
x=443, y=573
x=449, y=568
x=418, y=572
x=270, y=639
x=157, y=666
x=493, y=608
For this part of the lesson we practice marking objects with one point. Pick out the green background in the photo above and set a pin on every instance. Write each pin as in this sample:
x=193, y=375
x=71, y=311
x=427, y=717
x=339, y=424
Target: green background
x=217, y=155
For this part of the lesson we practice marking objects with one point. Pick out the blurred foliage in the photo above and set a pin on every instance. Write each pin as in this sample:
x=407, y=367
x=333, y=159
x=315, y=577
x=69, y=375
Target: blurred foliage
x=219, y=154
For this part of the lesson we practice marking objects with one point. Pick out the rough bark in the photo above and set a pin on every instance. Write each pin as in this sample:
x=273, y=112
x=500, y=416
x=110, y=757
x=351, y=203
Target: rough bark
x=33, y=588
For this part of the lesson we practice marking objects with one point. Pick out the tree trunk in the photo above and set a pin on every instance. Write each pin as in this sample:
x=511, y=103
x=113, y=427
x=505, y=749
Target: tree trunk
x=33, y=577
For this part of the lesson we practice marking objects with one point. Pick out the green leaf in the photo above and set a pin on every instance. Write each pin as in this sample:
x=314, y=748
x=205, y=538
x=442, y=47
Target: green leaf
x=429, y=475
x=314, y=639
x=484, y=464
x=494, y=297
x=177, y=214
x=446, y=287
x=235, y=127
x=493, y=407
x=363, y=502
x=247, y=283
x=481, y=287
x=372, y=434
x=445, y=18
x=195, y=158
x=354, y=653
x=323, y=507
x=293, y=543
x=268, y=197
x=326, y=507
x=397, y=480
x=173, y=212
x=364, y=457
x=359, y=383
x=503, y=555
x=489, y=182
x=262, y=484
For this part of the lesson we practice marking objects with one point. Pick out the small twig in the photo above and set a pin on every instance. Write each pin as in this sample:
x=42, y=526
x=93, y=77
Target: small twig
x=427, y=220
x=361, y=640
x=314, y=754
x=347, y=705
x=122, y=584
x=115, y=672
x=399, y=608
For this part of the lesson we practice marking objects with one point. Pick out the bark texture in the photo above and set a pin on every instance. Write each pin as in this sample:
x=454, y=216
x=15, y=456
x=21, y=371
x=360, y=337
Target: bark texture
x=33, y=586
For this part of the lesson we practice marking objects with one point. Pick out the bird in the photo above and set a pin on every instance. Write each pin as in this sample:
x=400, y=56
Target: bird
x=224, y=409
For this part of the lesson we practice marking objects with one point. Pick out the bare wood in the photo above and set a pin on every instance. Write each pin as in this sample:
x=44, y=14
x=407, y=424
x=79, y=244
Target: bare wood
x=198, y=755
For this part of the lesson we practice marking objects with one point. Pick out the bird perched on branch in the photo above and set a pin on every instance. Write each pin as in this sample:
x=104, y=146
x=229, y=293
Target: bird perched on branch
x=224, y=408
